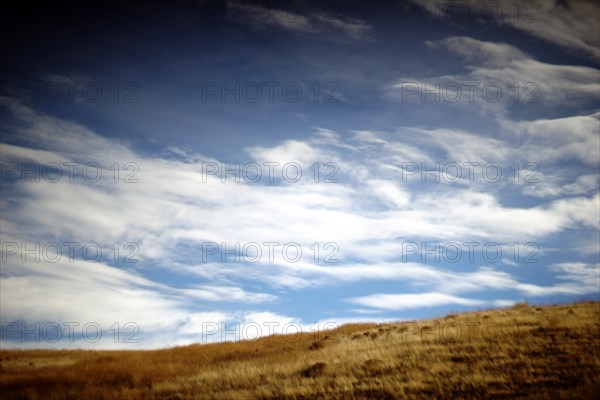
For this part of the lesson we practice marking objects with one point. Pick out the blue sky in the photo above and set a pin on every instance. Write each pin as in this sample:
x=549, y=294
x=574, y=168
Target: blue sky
x=116, y=132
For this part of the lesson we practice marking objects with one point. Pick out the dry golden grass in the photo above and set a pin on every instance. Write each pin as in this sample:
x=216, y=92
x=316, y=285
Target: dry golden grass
x=549, y=352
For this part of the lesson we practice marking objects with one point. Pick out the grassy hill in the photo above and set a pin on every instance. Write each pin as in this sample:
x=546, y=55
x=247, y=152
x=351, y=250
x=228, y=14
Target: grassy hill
x=548, y=352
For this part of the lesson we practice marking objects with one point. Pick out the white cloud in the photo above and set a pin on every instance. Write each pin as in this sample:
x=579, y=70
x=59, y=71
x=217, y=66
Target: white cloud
x=187, y=205
x=552, y=140
x=577, y=279
x=309, y=21
x=571, y=24
x=175, y=207
x=557, y=185
x=389, y=192
x=226, y=293
x=398, y=302
x=291, y=151
x=503, y=65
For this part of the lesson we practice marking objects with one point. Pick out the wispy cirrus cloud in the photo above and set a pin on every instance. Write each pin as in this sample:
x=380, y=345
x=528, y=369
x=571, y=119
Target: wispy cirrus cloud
x=571, y=24
x=312, y=21
x=187, y=207
x=398, y=302
x=577, y=278
x=378, y=200
x=499, y=77
x=402, y=198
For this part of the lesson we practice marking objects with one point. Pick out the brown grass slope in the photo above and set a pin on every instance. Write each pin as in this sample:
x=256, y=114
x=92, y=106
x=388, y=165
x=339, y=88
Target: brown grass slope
x=549, y=352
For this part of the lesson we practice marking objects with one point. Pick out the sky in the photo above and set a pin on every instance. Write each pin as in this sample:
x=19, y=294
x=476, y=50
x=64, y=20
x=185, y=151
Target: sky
x=222, y=170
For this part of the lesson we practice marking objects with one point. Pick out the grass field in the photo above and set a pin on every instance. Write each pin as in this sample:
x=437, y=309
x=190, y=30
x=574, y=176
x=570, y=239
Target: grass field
x=526, y=351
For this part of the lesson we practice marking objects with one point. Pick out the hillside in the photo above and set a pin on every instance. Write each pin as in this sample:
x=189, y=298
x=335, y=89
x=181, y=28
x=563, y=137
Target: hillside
x=519, y=352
